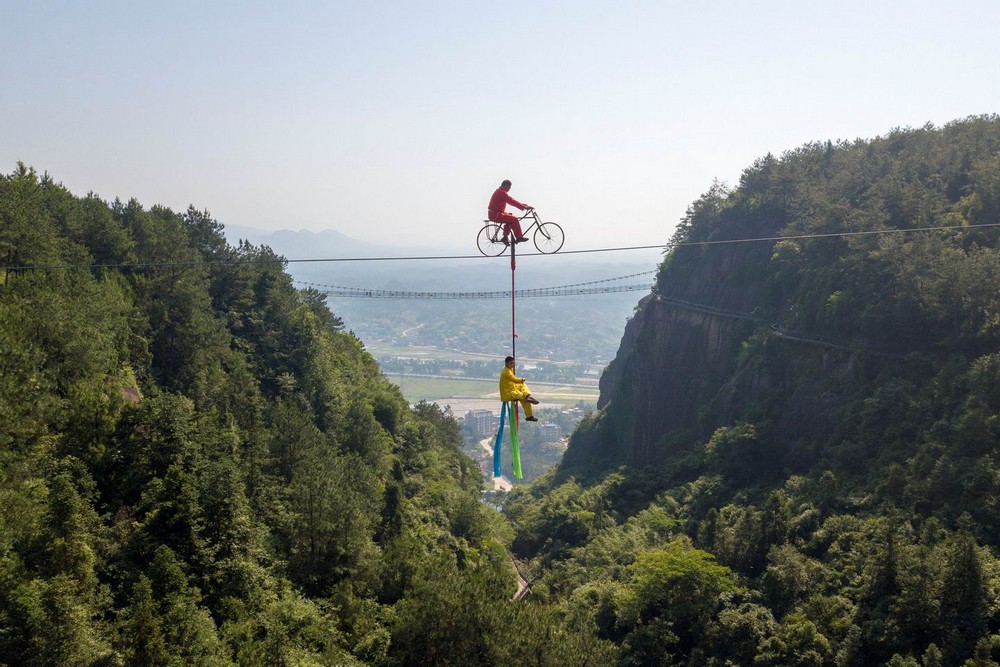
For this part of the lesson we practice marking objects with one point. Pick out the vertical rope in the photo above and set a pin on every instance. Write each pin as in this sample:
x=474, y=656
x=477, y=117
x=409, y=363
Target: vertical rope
x=513, y=327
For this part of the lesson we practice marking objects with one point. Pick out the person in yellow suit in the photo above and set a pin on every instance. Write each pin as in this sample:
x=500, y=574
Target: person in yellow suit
x=512, y=388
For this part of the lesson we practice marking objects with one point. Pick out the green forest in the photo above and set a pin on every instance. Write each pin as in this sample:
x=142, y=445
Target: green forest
x=198, y=466
x=795, y=459
x=796, y=456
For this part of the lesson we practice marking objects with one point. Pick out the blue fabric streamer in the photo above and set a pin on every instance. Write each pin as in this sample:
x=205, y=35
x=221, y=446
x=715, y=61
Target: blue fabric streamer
x=496, y=444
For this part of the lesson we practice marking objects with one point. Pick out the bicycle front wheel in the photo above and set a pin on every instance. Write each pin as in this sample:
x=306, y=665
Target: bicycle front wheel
x=490, y=240
x=549, y=238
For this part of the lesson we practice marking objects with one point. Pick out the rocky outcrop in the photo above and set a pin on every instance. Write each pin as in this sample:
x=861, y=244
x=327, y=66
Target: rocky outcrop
x=673, y=362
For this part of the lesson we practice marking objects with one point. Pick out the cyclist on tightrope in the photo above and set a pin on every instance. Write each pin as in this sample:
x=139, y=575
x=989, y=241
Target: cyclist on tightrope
x=497, y=213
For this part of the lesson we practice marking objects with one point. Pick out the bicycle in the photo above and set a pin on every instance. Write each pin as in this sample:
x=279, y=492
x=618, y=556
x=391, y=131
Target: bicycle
x=548, y=237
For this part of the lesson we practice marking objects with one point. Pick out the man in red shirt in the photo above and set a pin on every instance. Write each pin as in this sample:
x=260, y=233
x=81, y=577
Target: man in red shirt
x=497, y=212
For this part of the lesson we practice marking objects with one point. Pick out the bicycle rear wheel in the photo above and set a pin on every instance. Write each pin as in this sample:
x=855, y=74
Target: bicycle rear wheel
x=549, y=238
x=490, y=240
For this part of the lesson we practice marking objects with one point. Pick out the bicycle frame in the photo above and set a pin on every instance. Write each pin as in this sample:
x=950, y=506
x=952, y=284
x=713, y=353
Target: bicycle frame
x=535, y=220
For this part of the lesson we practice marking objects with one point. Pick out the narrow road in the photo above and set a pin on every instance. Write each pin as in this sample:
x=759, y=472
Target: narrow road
x=523, y=587
x=406, y=331
x=499, y=483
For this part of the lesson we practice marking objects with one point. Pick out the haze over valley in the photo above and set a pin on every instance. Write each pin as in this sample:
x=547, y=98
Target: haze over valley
x=560, y=338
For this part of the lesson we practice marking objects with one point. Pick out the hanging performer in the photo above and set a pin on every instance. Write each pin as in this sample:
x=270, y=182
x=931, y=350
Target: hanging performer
x=496, y=210
x=512, y=388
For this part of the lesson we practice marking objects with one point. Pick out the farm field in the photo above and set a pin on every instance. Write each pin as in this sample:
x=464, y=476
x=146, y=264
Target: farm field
x=380, y=349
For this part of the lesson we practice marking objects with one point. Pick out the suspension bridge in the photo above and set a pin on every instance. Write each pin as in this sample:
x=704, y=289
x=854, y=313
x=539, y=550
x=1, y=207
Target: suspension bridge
x=607, y=286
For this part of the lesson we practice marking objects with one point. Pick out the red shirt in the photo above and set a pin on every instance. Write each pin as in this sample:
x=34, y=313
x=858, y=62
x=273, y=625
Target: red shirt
x=499, y=201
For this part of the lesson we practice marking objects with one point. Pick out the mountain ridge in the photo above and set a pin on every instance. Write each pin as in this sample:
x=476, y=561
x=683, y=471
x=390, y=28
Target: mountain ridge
x=796, y=451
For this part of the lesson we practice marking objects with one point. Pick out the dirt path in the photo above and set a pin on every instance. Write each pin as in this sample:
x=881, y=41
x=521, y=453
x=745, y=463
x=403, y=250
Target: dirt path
x=523, y=587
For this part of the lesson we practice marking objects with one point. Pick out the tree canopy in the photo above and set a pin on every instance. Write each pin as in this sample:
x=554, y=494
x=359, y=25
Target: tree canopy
x=199, y=466
x=812, y=416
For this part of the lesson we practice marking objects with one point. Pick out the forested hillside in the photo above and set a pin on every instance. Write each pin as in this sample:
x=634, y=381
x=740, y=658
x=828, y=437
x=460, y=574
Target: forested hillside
x=796, y=460
x=198, y=466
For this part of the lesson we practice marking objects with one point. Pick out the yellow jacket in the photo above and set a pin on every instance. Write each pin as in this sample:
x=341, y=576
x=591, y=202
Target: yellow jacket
x=512, y=388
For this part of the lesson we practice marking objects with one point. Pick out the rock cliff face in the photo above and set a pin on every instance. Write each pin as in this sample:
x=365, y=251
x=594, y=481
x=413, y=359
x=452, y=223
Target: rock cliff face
x=680, y=353
x=704, y=350
x=799, y=301
x=683, y=371
x=672, y=361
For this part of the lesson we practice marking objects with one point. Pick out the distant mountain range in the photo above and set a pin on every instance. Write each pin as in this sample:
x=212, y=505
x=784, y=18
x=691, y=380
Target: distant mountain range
x=306, y=244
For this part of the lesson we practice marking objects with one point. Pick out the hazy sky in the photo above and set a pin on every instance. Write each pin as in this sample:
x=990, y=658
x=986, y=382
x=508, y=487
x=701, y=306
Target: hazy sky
x=396, y=121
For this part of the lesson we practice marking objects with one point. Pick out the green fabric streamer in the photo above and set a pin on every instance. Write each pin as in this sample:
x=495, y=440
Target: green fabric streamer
x=515, y=449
